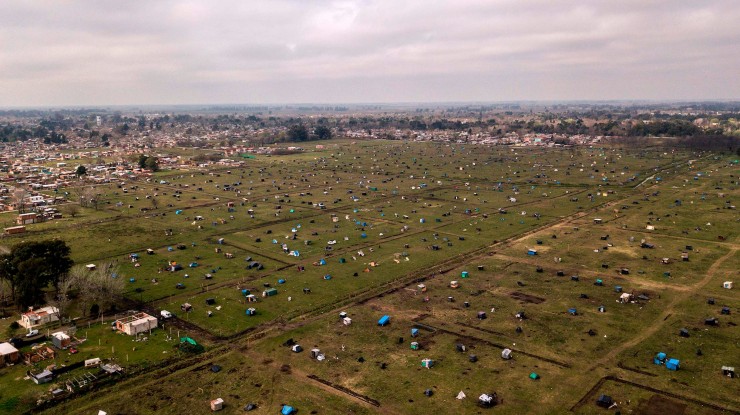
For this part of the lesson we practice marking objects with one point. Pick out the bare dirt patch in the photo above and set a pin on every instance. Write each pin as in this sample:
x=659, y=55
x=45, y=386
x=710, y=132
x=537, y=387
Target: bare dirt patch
x=527, y=298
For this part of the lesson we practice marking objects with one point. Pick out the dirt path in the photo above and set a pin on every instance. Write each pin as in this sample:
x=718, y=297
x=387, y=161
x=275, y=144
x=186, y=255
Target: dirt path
x=303, y=377
x=669, y=309
x=640, y=283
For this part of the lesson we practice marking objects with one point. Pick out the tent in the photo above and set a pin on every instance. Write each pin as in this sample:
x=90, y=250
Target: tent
x=384, y=320
x=487, y=400
x=604, y=401
x=506, y=354
x=414, y=332
x=659, y=358
x=251, y=311
x=287, y=410
x=672, y=364
x=461, y=395
x=534, y=376
x=427, y=363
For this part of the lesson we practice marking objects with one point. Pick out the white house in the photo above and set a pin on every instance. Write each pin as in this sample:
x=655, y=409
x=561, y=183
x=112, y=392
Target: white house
x=136, y=323
x=33, y=318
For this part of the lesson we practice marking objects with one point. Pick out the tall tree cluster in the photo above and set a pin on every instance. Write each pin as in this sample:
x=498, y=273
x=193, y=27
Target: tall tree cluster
x=30, y=267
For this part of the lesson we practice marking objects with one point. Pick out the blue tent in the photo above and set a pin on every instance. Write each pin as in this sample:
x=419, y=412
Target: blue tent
x=178, y=212
x=363, y=235
x=384, y=320
x=672, y=364
x=322, y=261
x=659, y=358
x=572, y=311
x=281, y=281
x=287, y=410
x=414, y=332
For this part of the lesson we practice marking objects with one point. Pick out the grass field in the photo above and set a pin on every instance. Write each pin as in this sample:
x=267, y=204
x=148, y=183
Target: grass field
x=362, y=225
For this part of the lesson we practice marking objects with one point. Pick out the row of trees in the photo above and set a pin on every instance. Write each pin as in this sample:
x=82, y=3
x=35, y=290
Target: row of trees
x=43, y=272
x=299, y=132
x=148, y=162
x=30, y=267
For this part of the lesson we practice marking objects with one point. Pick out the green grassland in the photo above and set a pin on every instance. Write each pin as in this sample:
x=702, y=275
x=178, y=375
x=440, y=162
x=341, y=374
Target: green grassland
x=386, y=216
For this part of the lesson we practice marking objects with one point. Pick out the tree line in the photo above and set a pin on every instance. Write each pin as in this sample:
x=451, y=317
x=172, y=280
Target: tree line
x=42, y=272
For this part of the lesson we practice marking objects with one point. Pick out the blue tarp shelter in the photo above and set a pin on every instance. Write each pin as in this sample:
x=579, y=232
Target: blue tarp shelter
x=384, y=320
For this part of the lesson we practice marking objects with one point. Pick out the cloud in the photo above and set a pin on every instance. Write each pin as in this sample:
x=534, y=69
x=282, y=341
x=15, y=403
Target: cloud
x=170, y=52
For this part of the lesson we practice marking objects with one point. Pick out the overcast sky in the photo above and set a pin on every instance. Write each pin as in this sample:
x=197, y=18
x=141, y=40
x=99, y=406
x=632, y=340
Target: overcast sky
x=67, y=52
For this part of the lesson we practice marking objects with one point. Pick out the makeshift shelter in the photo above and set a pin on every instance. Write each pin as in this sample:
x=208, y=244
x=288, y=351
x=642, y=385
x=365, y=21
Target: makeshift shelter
x=414, y=332
x=136, y=323
x=427, y=363
x=269, y=292
x=625, y=298
x=534, y=376
x=414, y=345
x=60, y=340
x=251, y=311
x=727, y=284
x=384, y=320
x=506, y=354
x=347, y=321
x=728, y=371
x=659, y=358
x=296, y=348
x=8, y=354
x=684, y=333
x=45, y=376
x=461, y=395
x=604, y=401
x=287, y=410
x=672, y=364
x=482, y=315
x=487, y=400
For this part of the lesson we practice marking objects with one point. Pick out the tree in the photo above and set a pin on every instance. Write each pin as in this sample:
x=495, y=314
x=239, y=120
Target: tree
x=81, y=170
x=152, y=163
x=71, y=209
x=30, y=267
x=19, y=199
x=297, y=132
x=322, y=132
x=100, y=288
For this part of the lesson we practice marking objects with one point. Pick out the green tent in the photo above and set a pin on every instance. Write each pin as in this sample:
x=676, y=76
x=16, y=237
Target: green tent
x=534, y=376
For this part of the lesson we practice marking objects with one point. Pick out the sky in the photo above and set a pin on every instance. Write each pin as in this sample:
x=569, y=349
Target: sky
x=106, y=52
